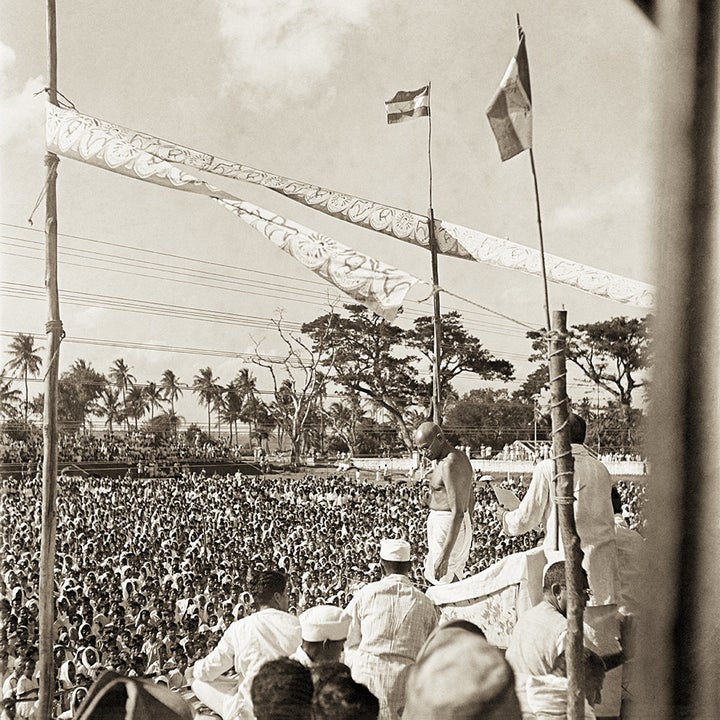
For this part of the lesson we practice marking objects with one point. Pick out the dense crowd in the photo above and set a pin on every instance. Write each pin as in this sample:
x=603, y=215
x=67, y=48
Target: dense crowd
x=138, y=448
x=150, y=572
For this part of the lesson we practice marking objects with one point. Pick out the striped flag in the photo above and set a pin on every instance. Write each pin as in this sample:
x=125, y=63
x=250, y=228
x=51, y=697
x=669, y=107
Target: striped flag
x=510, y=112
x=408, y=104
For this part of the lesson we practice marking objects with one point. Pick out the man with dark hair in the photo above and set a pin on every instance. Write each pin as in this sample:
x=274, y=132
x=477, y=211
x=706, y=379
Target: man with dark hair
x=246, y=645
x=389, y=622
x=451, y=501
x=593, y=515
x=282, y=689
x=341, y=698
x=537, y=644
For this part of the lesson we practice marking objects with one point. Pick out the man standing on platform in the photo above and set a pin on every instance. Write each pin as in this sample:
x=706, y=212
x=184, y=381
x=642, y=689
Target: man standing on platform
x=247, y=644
x=593, y=515
x=451, y=502
x=389, y=622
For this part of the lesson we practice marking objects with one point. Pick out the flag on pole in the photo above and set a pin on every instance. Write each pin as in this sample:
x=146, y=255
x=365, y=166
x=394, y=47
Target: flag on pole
x=510, y=112
x=408, y=104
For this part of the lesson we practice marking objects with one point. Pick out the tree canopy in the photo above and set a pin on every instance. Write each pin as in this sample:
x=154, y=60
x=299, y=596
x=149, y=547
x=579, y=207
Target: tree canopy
x=611, y=353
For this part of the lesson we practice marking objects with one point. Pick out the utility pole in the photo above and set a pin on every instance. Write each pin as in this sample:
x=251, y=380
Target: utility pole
x=53, y=329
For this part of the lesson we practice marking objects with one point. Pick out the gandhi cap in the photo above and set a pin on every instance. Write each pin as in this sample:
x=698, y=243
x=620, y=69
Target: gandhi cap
x=395, y=550
x=324, y=622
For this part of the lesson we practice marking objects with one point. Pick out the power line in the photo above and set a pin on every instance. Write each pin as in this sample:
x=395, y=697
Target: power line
x=220, y=265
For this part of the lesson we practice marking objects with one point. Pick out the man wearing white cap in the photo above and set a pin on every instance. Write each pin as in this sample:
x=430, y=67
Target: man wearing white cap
x=389, y=622
x=324, y=630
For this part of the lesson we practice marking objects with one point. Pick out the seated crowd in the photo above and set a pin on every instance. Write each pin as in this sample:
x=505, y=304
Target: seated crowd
x=150, y=573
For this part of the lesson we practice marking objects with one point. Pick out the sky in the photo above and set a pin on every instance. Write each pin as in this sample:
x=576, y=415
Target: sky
x=297, y=87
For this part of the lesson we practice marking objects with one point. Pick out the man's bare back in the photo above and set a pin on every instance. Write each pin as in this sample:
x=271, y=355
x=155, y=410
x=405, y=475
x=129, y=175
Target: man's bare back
x=456, y=470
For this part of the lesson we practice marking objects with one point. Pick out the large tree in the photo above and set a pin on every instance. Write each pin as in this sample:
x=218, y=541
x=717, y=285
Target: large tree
x=246, y=384
x=611, y=353
x=489, y=417
x=136, y=403
x=231, y=405
x=297, y=381
x=171, y=388
x=154, y=398
x=9, y=399
x=121, y=377
x=344, y=419
x=460, y=353
x=109, y=406
x=205, y=386
x=364, y=354
x=78, y=388
x=24, y=361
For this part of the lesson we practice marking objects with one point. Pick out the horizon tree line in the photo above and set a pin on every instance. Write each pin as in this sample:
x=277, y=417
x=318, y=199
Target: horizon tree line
x=375, y=366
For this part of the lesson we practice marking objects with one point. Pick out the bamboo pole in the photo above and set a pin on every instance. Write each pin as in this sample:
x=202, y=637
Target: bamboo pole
x=53, y=330
x=437, y=322
x=562, y=455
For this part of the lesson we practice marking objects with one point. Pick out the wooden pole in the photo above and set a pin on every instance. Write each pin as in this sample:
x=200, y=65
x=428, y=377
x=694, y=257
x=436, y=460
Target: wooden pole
x=437, y=322
x=53, y=329
x=562, y=455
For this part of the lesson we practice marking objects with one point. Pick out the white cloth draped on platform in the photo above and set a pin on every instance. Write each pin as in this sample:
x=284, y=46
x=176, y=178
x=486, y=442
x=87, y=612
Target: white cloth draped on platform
x=452, y=240
x=376, y=285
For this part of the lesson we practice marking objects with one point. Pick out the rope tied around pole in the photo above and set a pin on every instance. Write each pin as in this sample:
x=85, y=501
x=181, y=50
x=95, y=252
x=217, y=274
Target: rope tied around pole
x=54, y=326
x=67, y=105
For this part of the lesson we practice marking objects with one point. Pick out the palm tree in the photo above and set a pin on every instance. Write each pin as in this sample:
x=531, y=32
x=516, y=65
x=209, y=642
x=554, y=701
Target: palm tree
x=122, y=378
x=24, y=360
x=206, y=388
x=246, y=384
x=153, y=395
x=170, y=386
x=108, y=406
x=231, y=407
x=136, y=403
x=9, y=399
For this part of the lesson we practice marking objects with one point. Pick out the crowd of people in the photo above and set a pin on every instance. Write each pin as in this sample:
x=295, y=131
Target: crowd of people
x=131, y=448
x=151, y=572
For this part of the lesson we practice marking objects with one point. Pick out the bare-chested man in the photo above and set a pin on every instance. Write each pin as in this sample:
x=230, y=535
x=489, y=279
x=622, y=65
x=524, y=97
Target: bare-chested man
x=451, y=501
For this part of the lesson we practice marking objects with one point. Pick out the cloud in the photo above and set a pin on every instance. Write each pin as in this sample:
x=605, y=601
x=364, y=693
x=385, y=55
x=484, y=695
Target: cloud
x=287, y=45
x=21, y=114
x=626, y=196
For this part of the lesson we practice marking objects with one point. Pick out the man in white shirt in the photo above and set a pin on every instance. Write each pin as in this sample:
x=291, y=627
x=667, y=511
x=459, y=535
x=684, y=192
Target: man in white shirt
x=593, y=515
x=389, y=622
x=246, y=645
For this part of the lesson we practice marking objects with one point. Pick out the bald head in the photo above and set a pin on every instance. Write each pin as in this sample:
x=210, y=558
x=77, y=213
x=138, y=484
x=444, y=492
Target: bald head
x=426, y=432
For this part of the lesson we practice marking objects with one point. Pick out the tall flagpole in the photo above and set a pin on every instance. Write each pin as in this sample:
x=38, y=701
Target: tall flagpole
x=437, y=323
x=548, y=324
x=53, y=329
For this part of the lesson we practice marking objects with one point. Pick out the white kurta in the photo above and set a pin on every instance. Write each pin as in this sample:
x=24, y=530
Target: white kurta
x=593, y=517
x=389, y=622
x=245, y=646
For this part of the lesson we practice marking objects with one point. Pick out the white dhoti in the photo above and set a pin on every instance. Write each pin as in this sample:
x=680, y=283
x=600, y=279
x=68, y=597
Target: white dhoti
x=438, y=526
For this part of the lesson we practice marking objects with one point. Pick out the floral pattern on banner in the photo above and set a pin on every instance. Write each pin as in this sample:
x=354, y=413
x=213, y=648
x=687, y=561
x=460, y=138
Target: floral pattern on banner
x=495, y=615
x=382, y=288
x=378, y=286
x=453, y=240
